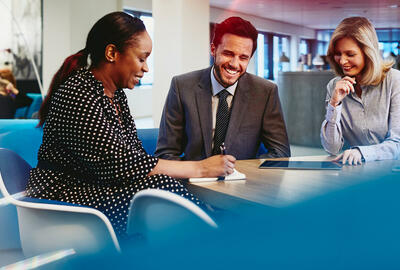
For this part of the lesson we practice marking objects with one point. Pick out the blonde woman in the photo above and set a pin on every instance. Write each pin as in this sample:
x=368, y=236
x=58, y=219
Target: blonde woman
x=363, y=101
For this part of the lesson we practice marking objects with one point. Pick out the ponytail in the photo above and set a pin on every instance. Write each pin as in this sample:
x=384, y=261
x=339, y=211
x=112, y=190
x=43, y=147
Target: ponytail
x=71, y=65
x=118, y=28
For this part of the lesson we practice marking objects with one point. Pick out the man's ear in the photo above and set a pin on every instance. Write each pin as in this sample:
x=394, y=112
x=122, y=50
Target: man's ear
x=111, y=53
x=213, y=49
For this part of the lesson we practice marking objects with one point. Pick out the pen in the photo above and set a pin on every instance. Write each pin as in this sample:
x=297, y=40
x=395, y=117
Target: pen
x=223, y=149
x=223, y=152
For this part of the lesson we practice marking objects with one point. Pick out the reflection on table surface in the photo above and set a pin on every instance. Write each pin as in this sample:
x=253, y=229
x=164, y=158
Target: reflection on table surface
x=284, y=187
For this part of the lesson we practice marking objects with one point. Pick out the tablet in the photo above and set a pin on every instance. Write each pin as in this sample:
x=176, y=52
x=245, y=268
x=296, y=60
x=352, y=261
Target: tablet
x=300, y=165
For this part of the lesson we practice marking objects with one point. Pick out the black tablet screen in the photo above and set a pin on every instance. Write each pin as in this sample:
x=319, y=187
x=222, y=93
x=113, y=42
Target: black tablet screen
x=300, y=165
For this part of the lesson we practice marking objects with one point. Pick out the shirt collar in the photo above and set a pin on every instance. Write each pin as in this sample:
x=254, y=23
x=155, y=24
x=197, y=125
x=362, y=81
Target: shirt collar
x=217, y=87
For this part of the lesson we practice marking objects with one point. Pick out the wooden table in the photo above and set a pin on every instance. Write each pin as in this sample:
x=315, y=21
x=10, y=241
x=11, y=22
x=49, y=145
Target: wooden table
x=283, y=187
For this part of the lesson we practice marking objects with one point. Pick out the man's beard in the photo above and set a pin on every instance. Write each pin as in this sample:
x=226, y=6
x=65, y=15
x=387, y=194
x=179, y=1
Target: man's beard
x=219, y=77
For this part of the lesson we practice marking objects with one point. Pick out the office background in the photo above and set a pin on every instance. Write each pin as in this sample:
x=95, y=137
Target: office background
x=181, y=35
x=292, y=35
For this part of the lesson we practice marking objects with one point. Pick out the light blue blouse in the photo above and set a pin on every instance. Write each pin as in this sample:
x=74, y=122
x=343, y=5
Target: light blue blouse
x=371, y=123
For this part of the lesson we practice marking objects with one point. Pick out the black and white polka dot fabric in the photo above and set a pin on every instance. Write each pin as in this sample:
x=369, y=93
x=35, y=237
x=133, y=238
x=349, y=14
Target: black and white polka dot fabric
x=103, y=162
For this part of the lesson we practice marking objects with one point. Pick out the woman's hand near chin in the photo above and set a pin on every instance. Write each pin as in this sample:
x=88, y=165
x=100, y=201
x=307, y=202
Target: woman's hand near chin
x=343, y=87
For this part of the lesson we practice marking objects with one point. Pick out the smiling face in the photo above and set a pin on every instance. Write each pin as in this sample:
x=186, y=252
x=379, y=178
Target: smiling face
x=349, y=56
x=231, y=58
x=130, y=65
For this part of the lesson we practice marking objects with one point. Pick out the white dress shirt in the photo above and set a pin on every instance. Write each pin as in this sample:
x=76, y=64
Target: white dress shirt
x=216, y=88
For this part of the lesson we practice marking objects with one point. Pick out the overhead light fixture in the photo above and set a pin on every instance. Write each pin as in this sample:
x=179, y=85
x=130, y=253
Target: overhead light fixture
x=318, y=61
x=284, y=58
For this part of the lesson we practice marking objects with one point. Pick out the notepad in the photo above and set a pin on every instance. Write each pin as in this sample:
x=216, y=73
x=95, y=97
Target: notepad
x=236, y=175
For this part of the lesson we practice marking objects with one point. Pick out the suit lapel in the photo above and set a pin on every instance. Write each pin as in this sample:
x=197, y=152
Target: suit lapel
x=203, y=100
x=239, y=108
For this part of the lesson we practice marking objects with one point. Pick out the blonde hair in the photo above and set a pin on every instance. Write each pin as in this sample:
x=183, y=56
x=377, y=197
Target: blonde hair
x=363, y=33
x=8, y=75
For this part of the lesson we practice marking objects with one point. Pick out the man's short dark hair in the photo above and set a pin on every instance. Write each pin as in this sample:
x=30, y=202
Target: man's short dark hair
x=236, y=26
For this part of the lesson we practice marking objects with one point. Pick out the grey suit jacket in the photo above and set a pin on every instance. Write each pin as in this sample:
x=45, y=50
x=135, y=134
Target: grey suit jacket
x=256, y=116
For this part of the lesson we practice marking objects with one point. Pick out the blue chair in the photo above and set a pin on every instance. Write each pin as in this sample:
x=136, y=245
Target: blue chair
x=28, y=111
x=9, y=233
x=148, y=136
x=262, y=150
x=24, y=138
x=45, y=225
x=20, y=113
x=13, y=124
x=161, y=217
x=35, y=105
x=25, y=142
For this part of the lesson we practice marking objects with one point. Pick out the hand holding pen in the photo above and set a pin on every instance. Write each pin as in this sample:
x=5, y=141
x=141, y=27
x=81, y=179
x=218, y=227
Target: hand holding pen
x=218, y=165
x=223, y=152
x=223, y=149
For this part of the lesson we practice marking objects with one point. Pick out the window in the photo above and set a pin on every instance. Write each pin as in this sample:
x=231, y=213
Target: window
x=148, y=21
x=262, y=56
x=304, y=47
x=323, y=38
x=389, y=40
x=212, y=28
x=322, y=47
x=281, y=50
x=271, y=50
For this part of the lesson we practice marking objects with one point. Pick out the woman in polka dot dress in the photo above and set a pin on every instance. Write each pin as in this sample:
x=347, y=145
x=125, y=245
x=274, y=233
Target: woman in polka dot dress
x=91, y=154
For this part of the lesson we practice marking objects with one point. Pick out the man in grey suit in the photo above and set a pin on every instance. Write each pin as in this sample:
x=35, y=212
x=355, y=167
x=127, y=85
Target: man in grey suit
x=223, y=106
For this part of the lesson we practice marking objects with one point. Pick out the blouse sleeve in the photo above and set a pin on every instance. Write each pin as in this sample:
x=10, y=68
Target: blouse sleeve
x=91, y=136
x=389, y=148
x=331, y=131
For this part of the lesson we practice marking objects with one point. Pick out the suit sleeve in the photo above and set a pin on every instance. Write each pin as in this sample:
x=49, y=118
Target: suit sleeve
x=171, y=139
x=273, y=134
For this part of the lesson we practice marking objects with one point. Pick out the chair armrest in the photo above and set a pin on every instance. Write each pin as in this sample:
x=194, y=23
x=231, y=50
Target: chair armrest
x=52, y=202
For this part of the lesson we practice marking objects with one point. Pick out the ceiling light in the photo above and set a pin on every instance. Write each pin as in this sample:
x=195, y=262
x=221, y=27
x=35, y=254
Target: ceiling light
x=284, y=58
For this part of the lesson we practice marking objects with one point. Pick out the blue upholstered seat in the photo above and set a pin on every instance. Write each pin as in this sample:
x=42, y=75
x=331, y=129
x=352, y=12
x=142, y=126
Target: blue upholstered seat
x=28, y=111
x=46, y=225
x=24, y=138
x=148, y=136
x=25, y=142
x=13, y=124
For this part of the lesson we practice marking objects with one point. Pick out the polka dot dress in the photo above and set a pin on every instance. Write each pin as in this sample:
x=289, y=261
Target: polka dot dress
x=95, y=155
